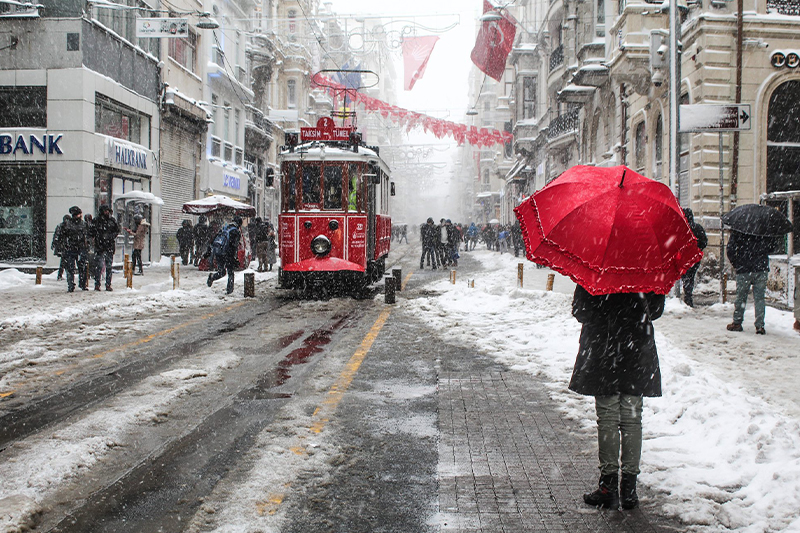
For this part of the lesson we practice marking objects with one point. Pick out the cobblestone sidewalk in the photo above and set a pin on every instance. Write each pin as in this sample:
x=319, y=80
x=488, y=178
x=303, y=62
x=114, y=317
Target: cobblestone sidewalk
x=509, y=463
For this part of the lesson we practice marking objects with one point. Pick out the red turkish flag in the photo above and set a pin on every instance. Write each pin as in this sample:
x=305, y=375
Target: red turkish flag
x=494, y=42
x=416, y=52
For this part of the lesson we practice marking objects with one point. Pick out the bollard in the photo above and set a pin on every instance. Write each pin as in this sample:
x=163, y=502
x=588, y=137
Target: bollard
x=724, y=294
x=128, y=272
x=38, y=275
x=520, y=268
x=398, y=279
x=176, y=281
x=453, y=277
x=550, y=279
x=388, y=289
x=249, y=285
x=172, y=270
x=471, y=284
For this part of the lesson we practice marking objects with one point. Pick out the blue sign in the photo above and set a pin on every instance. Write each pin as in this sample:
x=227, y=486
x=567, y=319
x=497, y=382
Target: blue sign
x=47, y=145
x=231, y=181
x=130, y=157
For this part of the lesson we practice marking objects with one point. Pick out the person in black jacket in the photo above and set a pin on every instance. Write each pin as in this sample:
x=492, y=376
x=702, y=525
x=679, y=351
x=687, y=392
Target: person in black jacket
x=749, y=255
x=185, y=237
x=702, y=241
x=617, y=363
x=58, y=247
x=75, y=248
x=227, y=261
x=201, y=238
x=429, y=237
x=105, y=230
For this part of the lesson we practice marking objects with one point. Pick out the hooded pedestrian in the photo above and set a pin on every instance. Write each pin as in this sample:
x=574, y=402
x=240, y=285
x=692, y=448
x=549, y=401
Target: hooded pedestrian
x=225, y=248
x=702, y=241
x=185, y=236
x=75, y=247
x=105, y=232
x=57, y=245
x=201, y=233
x=617, y=363
x=139, y=235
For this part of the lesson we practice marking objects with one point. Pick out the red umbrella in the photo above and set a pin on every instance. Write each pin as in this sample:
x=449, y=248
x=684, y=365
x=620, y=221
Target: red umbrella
x=610, y=230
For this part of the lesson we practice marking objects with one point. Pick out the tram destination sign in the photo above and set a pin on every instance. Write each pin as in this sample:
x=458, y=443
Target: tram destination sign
x=326, y=130
x=714, y=117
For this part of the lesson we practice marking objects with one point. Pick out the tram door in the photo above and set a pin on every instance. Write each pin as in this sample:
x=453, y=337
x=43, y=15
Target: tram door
x=370, y=180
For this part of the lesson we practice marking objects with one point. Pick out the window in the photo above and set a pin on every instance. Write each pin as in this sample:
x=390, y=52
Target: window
x=184, y=51
x=23, y=107
x=226, y=132
x=600, y=27
x=289, y=184
x=239, y=157
x=529, y=97
x=292, y=24
x=123, y=23
x=237, y=116
x=333, y=187
x=115, y=120
x=353, y=194
x=311, y=184
x=291, y=94
x=228, y=152
x=216, y=147
x=639, y=147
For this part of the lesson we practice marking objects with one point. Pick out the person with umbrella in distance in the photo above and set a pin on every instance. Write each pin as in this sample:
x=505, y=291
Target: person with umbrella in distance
x=625, y=241
x=752, y=240
x=702, y=241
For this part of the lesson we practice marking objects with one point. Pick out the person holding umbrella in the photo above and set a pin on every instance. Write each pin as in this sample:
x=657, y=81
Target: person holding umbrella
x=752, y=239
x=625, y=241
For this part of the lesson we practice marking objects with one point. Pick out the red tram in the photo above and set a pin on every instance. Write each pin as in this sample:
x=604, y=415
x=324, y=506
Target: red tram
x=334, y=227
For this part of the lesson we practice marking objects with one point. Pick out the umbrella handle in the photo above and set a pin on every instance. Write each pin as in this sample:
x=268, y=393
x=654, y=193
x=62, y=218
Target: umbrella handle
x=623, y=177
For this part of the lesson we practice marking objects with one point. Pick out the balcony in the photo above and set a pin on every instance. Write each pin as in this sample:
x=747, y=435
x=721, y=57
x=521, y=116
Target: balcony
x=557, y=57
x=784, y=7
x=563, y=125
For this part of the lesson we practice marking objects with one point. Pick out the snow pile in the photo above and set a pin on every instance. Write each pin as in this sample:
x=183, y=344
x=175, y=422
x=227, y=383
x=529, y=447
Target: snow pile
x=719, y=457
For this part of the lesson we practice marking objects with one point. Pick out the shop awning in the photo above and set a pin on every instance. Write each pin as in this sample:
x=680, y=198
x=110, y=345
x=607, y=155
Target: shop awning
x=140, y=197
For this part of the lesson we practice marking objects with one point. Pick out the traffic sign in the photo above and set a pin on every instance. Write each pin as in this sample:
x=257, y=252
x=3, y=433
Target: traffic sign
x=714, y=117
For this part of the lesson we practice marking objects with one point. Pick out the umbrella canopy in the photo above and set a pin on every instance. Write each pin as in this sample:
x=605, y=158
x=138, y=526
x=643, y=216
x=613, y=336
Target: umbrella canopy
x=141, y=197
x=219, y=203
x=494, y=221
x=758, y=220
x=610, y=230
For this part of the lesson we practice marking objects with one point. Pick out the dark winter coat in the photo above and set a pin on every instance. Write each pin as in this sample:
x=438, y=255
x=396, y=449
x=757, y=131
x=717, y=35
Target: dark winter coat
x=749, y=253
x=429, y=235
x=73, y=235
x=617, y=346
x=105, y=230
x=697, y=229
x=185, y=237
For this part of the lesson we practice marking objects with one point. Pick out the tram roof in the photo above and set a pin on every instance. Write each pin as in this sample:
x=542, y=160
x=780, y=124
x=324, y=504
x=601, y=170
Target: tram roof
x=314, y=150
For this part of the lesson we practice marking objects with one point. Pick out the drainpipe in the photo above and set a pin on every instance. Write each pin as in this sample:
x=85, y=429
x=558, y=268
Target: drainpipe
x=623, y=152
x=735, y=155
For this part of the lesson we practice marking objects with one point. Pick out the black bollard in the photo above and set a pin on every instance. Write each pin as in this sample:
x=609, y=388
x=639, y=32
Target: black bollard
x=249, y=285
x=398, y=275
x=388, y=289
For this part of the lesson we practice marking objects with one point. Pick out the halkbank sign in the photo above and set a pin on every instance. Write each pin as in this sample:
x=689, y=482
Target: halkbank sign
x=127, y=156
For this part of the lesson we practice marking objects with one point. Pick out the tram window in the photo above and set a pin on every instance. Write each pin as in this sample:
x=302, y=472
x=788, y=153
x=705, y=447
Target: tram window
x=290, y=188
x=352, y=194
x=311, y=184
x=333, y=187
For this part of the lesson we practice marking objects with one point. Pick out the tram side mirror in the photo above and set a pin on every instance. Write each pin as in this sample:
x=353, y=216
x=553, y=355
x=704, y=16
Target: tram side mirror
x=391, y=190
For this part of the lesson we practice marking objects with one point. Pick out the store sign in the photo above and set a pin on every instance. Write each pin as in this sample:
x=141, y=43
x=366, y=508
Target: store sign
x=781, y=59
x=326, y=130
x=125, y=155
x=30, y=144
x=162, y=27
x=229, y=180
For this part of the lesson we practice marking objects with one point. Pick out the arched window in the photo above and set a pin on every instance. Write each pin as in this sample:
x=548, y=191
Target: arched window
x=639, y=148
x=783, y=145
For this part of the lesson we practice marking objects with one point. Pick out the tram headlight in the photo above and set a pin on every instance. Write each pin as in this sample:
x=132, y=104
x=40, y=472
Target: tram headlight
x=321, y=245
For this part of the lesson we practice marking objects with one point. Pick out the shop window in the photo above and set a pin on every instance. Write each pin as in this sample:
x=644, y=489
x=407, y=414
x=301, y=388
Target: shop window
x=115, y=120
x=184, y=51
x=23, y=230
x=23, y=107
x=333, y=187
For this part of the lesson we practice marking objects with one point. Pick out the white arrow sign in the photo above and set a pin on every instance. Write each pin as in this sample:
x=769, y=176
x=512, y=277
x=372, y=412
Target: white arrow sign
x=714, y=117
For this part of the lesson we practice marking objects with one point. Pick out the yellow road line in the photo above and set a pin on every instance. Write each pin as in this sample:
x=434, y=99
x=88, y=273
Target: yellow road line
x=139, y=342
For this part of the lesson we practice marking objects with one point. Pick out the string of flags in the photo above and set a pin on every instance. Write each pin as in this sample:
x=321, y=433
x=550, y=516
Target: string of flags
x=404, y=118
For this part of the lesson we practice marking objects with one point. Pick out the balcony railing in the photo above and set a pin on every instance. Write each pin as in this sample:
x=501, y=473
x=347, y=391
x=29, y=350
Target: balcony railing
x=563, y=124
x=784, y=7
x=557, y=58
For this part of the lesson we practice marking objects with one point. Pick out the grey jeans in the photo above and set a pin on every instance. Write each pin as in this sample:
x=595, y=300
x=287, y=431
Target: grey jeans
x=619, y=425
x=758, y=281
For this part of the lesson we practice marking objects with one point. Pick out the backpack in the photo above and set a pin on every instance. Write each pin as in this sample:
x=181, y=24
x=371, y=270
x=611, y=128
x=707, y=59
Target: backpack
x=221, y=242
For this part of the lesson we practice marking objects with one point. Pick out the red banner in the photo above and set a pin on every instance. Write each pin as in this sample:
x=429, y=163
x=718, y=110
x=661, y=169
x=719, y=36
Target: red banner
x=416, y=52
x=494, y=43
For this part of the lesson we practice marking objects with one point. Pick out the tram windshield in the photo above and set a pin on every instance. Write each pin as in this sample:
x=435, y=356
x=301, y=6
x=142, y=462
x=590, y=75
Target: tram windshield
x=333, y=186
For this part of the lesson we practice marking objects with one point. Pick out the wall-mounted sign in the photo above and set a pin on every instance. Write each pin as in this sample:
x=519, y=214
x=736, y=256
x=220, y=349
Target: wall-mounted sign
x=127, y=156
x=24, y=143
x=780, y=59
x=232, y=181
x=162, y=27
x=714, y=117
x=326, y=130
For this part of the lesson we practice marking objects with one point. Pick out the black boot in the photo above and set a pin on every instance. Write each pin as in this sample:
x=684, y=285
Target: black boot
x=606, y=495
x=627, y=492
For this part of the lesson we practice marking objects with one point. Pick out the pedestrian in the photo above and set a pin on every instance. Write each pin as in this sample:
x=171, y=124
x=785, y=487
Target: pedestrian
x=502, y=240
x=702, y=241
x=617, y=363
x=139, y=234
x=57, y=245
x=272, y=245
x=201, y=238
x=429, y=239
x=261, y=244
x=453, y=241
x=225, y=248
x=75, y=246
x=105, y=233
x=441, y=243
x=516, y=238
x=749, y=256
x=472, y=237
x=91, y=256
x=185, y=236
x=403, y=234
